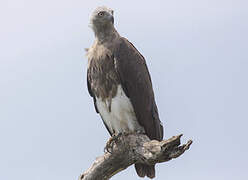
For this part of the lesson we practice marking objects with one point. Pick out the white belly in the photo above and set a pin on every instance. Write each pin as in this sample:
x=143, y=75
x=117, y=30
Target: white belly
x=121, y=117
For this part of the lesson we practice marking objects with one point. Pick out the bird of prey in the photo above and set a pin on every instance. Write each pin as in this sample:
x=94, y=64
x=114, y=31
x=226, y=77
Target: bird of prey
x=120, y=84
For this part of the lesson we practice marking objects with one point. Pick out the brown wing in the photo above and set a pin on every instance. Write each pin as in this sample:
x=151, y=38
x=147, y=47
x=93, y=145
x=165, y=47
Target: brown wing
x=90, y=92
x=136, y=82
x=94, y=99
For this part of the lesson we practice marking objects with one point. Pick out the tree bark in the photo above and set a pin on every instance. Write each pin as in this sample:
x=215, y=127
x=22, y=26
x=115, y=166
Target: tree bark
x=134, y=148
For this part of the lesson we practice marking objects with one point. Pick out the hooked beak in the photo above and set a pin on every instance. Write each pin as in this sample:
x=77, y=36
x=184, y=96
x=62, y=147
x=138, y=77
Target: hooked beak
x=111, y=18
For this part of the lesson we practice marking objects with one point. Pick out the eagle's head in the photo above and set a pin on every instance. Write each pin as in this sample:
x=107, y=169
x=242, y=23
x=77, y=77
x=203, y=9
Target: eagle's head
x=102, y=17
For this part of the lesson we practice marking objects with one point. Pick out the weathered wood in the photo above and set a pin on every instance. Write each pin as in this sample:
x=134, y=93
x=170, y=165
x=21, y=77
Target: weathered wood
x=134, y=148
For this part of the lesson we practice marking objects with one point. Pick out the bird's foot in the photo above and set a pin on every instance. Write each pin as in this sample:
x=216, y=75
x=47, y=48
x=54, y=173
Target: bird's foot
x=116, y=137
x=113, y=139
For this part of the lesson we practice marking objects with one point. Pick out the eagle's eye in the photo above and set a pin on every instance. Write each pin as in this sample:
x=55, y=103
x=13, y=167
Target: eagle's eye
x=100, y=13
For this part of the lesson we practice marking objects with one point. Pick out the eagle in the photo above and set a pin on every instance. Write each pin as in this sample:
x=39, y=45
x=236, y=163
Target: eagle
x=119, y=82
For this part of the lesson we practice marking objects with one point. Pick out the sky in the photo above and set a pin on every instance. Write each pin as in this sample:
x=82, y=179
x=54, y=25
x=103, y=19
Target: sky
x=197, y=55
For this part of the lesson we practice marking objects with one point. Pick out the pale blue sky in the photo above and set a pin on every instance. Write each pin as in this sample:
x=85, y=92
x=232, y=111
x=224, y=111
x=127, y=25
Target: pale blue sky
x=197, y=54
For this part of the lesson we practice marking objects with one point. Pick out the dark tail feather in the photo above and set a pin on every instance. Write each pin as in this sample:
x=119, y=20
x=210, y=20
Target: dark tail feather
x=145, y=170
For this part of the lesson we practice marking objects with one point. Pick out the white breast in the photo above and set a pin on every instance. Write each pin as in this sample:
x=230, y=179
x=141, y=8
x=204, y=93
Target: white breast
x=121, y=117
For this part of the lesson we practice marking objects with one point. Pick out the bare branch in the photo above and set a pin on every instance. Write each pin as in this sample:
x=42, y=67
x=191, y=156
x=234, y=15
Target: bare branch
x=134, y=148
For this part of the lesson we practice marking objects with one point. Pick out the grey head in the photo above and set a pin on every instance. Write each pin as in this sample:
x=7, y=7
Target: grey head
x=102, y=19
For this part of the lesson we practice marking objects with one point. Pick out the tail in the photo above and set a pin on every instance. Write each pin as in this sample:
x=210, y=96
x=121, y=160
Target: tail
x=145, y=170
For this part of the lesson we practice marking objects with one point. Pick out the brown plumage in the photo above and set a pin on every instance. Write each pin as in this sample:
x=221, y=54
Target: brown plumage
x=118, y=78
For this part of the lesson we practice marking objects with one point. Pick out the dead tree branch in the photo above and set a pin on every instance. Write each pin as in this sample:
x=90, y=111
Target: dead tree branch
x=131, y=149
